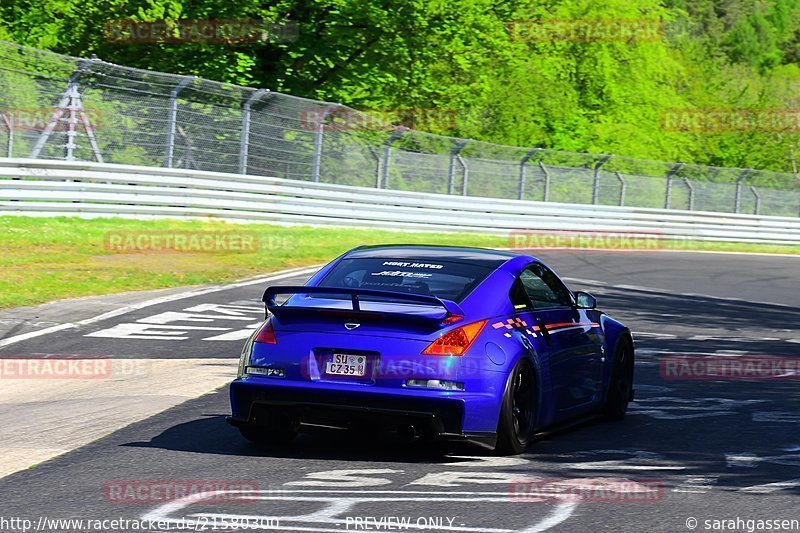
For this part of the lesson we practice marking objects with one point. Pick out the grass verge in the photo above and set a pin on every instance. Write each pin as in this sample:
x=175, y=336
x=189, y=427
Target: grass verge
x=45, y=259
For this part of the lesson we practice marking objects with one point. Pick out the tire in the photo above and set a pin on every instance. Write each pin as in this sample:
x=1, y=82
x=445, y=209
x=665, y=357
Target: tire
x=518, y=411
x=282, y=430
x=621, y=383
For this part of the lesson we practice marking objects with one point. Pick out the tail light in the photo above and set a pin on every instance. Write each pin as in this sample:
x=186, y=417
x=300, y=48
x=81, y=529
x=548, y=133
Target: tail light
x=266, y=334
x=457, y=341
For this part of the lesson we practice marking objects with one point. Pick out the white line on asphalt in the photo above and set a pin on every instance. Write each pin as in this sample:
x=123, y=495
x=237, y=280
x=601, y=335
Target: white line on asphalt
x=283, y=274
x=671, y=293
x=769, y=488
x=338, y=505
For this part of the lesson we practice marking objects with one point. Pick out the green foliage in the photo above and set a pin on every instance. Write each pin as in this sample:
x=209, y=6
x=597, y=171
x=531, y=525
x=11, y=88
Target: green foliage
x=458, y=56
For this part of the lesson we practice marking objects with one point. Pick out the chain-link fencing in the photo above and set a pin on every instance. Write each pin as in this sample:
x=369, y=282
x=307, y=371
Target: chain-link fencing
x=59, y=107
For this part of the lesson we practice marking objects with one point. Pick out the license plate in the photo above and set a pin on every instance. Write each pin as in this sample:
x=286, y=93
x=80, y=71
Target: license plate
x=346, y=365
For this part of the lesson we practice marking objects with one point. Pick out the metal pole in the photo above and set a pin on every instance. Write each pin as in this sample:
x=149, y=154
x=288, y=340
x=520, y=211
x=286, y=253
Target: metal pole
x=465, y=175
x=377, y=166
x=622, y=187
x=596, y=185
x=387, y=154
x=521, y=185
x=691, y=192
x=546, y=195
x=451, y=172
x=87, y=126
x=10, y=143
x=757, y=210
x=244, y=143
x=320, y=132
x=737, y=200
x=172, y=119
x=674, y=170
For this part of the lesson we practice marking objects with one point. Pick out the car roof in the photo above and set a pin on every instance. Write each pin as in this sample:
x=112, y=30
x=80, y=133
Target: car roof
x=425, y=252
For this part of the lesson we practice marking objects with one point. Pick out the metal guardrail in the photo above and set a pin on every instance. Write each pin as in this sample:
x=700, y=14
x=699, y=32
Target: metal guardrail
x=73, y=188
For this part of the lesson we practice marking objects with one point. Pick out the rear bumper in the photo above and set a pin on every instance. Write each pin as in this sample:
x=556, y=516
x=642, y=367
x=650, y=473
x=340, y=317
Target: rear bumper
x=441, y=415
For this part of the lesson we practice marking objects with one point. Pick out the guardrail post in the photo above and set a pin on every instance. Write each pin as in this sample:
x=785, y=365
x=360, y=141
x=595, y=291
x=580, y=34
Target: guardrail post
x=757, y=210
x=172, y=119
x=377, y=158
x=691, y=192
x=737, y=200
x=521, y=185
x=319, y=132
x=622, y=187
x=387, y=154
x=10, y=142
x=596, y=185
x=674, y=170
x=546, y=194
x=451, y=171
x=244, y=143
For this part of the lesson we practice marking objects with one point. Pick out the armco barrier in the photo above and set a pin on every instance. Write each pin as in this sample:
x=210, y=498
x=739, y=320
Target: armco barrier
x=71, y=188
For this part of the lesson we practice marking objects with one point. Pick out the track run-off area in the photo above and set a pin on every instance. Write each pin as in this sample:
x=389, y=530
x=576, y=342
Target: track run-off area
x=692, y=454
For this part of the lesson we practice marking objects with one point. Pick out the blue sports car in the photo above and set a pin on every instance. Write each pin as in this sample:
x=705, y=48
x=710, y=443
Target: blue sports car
x=433, y=342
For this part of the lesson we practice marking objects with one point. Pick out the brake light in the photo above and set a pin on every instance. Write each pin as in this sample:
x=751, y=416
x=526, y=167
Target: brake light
x=452, y=319
x=266, y=334
x=457, y=341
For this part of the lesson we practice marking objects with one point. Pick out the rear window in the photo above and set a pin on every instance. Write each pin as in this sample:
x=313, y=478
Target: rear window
x=443, y=279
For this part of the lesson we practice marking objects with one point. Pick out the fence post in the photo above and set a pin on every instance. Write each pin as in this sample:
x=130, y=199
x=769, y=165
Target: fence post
x=671, y=172
x=691, y=192
x=622, y=187
x=465, y=175
x=319, y=132
x=521, y=185
x=377, y=158
x=10, y=143
x=546, y=195
x=173, y=118
x=451, y=171
x=387, y=154
x=757, y=210
x=737, y=200
x=244, y=145
x=596, y=185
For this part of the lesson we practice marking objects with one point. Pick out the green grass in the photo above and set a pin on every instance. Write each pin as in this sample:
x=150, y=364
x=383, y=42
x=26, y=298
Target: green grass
x=45, y=259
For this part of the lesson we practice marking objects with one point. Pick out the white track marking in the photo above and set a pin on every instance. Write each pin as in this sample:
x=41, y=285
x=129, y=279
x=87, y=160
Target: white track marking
x=346, y=478
x=749, y=460
x=342, y=502
x=769, y=488
x=696, y=485
x=156, y=301
x=672, y=293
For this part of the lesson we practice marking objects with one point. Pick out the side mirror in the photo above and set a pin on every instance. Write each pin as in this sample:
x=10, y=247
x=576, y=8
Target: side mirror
x=584, y=300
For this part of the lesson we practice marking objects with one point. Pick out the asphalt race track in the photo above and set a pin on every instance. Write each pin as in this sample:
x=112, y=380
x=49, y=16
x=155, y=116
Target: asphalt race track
x=689, y=452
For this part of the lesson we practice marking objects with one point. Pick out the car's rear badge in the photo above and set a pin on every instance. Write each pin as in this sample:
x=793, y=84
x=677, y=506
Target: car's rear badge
x=351, y=325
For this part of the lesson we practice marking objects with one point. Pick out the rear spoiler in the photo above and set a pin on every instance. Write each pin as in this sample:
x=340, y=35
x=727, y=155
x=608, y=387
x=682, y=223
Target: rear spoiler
x=451, y=308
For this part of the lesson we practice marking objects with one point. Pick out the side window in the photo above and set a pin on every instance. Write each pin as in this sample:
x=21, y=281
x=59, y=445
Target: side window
x=543, y=288
x=519, y=298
